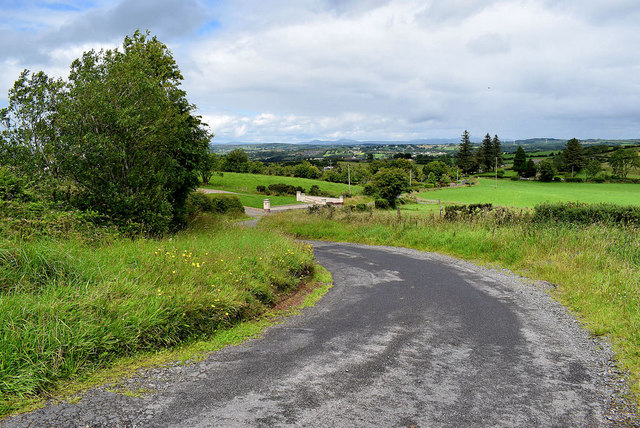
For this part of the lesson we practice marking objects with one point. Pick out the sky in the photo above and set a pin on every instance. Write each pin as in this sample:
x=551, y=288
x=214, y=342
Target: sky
x=293, y=71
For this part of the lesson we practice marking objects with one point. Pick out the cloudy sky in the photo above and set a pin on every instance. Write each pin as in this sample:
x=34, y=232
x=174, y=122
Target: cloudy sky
x=297, y=70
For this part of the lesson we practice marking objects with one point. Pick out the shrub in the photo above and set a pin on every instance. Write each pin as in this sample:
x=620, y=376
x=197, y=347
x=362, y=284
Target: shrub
x=284, y=189
x=574, y=180
x=198, y=202
x=382, y=204
x=227, y=204
x=261, y=189
x=361, y=207
x=581, y=213
x=369, y=189
x=315, y=191
x=13, y=188
x=454, y=212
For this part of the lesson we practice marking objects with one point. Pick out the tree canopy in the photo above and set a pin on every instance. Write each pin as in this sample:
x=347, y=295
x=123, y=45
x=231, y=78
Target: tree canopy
x=120, y=130
x=573, y=157
x=520, y=161
x=622, y=160
x=390, y=183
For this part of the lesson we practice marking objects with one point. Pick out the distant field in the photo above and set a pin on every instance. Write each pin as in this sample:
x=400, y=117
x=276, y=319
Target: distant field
x=256, y=201
x=530, y=193
x=246, y=183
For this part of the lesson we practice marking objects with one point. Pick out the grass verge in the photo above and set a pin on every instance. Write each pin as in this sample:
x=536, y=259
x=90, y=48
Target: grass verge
x=596, y=268
x=69, y=307
x=126, y=367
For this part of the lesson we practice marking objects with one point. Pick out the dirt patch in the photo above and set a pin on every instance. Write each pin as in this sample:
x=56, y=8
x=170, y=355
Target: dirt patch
x=297, y=297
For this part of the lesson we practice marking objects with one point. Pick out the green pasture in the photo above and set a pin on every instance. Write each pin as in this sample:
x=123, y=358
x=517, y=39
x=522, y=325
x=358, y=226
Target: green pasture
x=246, y=183
x=256, y=201
x=530, y=193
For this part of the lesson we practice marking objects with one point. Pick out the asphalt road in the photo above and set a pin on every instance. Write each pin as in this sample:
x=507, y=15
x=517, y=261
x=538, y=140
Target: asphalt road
x=403, y=339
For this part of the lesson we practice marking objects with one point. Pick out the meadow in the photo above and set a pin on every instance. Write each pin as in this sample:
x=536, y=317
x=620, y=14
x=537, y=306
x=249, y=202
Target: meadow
x=596, y=268
x=246, y=183
x=69, y=307
x=527, y=194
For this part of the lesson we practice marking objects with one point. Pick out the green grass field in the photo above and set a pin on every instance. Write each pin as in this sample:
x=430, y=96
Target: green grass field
x=530, y=193
x=256, y=201
x=246, y=183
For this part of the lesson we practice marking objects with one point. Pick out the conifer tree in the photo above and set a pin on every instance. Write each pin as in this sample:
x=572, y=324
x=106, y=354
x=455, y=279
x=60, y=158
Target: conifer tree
x=488, y=155
x=497, y=150
x=573, y=156
x=520, y=161
x=465, y=156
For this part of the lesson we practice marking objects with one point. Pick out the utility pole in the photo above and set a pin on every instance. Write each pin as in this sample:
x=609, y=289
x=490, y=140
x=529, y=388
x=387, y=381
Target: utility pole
x=349, y=177
x=496, y=172
x=410, y=177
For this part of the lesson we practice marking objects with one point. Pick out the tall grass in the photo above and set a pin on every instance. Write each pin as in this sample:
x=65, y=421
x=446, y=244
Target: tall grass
x=69, y=306
x=596, y=268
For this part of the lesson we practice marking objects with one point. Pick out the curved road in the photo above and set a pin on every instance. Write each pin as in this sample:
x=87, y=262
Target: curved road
x=403, y=339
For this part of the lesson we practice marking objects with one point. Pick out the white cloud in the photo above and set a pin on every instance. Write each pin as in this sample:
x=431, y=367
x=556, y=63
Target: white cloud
x=380, y=69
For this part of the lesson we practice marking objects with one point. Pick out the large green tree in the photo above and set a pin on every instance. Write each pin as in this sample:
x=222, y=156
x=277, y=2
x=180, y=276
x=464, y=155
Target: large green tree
x=236, y=161
x=464, y=156
x=27, y=141
x=573, y=157
x=390, y=183
x=622, y=160
x=546, y=170
x=128, y=137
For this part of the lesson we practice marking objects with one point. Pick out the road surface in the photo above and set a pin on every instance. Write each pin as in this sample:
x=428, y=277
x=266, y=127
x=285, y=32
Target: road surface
x=403, y=339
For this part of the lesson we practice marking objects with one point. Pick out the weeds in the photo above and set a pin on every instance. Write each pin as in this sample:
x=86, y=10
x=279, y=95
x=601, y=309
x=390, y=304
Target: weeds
x=68, y=307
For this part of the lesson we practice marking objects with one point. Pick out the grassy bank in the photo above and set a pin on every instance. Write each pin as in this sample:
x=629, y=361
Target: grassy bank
x=596, y=268
x=68, y=306
x=530, y=193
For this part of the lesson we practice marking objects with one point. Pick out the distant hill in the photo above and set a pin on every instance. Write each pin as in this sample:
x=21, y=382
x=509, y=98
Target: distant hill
x=347, y=142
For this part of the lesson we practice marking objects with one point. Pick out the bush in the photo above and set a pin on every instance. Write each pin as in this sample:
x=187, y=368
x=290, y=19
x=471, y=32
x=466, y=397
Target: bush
x=382, y=204
x=574, y=180
x=13, y=188
x=198, y=203
x=284, y=189
x=515, y=178
x=261, y=189
x=227, y=204
x=315, y=191
x=581, y=213
x=369, y=189
x=361, y=207
x=454, y=212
